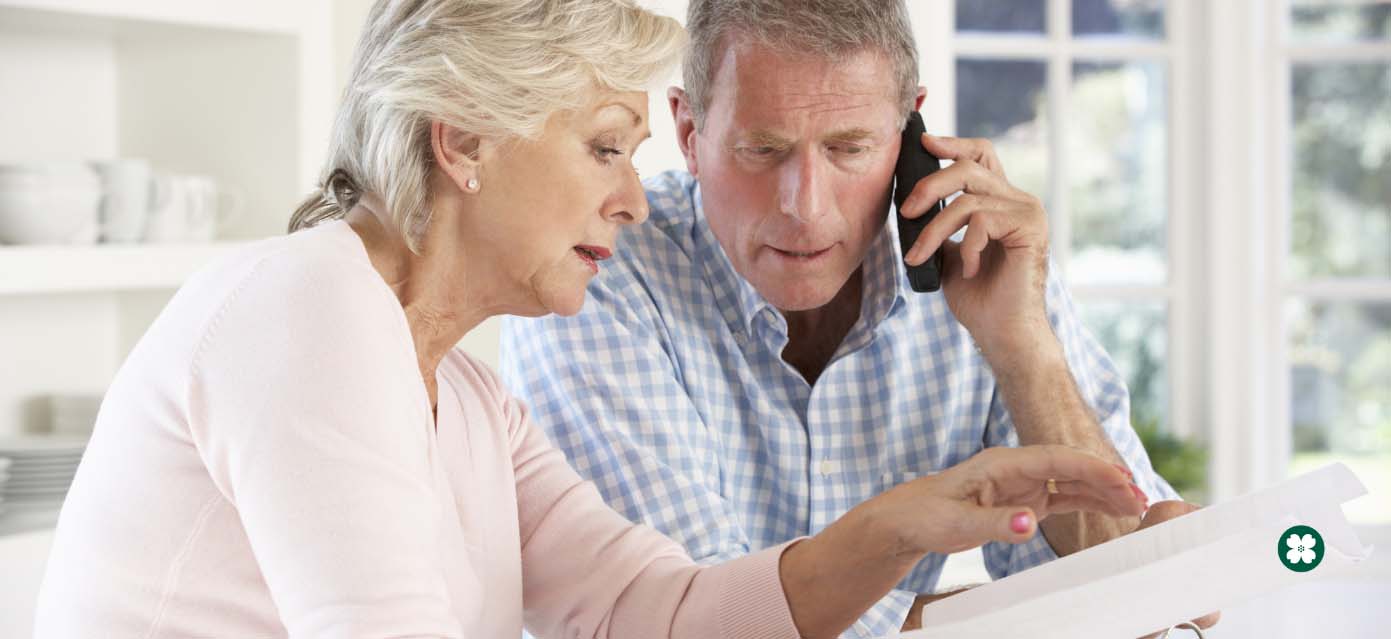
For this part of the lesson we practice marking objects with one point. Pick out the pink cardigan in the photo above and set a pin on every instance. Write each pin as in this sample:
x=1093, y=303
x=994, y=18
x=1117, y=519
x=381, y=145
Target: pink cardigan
x=265, y=464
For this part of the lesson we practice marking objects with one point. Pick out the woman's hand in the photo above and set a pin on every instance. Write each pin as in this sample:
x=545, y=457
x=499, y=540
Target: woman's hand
x=1000, y=494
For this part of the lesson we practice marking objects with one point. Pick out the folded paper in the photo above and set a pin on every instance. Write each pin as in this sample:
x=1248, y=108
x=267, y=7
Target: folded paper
x=1153, y=578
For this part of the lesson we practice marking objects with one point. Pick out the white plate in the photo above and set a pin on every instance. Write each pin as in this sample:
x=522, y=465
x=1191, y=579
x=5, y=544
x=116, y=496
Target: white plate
x=31, y=463
x=38, y=501
x=30, y=486
x=45, y=472
x=20, y=457
x=41, y=443
x=39, y=479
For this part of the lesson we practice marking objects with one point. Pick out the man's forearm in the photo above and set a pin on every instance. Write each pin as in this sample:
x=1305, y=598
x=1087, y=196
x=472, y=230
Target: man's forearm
x=1046, y=407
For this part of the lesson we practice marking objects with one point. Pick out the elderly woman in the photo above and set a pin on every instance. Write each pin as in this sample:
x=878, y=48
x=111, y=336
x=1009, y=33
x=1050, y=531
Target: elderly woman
x=295, y=447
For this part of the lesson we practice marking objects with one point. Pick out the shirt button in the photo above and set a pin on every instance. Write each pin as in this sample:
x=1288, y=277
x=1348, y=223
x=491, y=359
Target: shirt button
x=828, y=468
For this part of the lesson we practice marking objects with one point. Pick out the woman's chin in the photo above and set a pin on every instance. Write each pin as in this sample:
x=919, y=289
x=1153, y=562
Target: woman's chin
x=566, y=305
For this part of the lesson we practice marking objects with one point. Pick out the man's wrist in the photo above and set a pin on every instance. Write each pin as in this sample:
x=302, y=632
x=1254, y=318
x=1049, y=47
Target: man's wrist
x=1025, y=345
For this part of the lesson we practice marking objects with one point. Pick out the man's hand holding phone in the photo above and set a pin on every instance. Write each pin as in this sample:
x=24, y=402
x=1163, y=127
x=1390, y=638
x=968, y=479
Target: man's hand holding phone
x=994, y=278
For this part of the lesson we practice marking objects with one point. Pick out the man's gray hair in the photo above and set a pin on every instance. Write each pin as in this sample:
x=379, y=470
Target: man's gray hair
x=830, y=29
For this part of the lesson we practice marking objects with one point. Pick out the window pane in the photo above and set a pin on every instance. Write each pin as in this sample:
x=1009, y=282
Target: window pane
x=1018, y=16
x=1342, y=170
x=1134, y=18
x=1333, y=21
x=1135, y=334
x=1118, y=174
x=1340, y=395
x=1005, y=100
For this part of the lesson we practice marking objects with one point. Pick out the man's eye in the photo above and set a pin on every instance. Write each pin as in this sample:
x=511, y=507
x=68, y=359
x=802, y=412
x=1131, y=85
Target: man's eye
x=761, y=151
x=848, y=149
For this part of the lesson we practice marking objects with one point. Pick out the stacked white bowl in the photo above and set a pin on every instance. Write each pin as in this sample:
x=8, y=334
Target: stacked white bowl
x=55, y=203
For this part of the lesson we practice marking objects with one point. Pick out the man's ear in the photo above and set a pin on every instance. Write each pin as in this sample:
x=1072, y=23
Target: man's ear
x=457, y=154
x=685, y=126
x=918, y=101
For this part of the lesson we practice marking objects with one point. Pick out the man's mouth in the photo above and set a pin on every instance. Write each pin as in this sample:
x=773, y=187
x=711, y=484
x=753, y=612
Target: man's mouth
x=802, y=255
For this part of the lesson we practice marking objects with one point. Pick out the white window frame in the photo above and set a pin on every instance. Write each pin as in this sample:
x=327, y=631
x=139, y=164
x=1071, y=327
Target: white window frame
x=1059, y=51
x=1230, y=200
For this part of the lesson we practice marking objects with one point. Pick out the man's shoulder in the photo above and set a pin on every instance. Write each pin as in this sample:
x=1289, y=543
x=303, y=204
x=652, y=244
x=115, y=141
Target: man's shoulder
x=658, y=257
x=668, y=231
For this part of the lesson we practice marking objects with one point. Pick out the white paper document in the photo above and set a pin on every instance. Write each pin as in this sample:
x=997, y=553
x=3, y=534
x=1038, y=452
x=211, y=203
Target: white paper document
x=1154, y=578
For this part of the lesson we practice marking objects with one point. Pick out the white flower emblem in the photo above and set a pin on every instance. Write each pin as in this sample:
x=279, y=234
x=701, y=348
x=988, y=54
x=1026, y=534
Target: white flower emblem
x=1301, y=549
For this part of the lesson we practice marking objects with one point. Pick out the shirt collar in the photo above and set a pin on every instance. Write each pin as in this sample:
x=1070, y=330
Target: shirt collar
x=739, y=302
x=885, y=279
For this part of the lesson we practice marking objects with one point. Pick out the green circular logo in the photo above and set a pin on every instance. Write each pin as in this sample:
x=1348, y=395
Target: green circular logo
x=1300, y=548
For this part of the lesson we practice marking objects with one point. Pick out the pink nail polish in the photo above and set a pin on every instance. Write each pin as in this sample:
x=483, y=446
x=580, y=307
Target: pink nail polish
x=1019, y=523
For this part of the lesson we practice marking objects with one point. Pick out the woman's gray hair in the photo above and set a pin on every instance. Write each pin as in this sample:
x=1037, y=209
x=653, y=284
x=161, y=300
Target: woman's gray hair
x=829, y=29
x=496, y=68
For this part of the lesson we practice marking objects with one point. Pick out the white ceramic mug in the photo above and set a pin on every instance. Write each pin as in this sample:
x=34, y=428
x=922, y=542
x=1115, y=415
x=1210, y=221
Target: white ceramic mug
x=126, y=199
x=188, y=208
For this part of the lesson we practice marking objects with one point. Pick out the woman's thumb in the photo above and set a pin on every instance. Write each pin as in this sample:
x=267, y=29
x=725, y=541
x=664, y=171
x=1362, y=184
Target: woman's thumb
x=1010, y=524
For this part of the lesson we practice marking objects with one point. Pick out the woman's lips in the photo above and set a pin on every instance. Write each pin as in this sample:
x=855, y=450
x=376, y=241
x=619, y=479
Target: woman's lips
x=591, y=255
x=598, y=251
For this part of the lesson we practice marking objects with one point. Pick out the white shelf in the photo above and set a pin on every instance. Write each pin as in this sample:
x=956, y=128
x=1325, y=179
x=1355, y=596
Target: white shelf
x=111, y=267
x=265, y=16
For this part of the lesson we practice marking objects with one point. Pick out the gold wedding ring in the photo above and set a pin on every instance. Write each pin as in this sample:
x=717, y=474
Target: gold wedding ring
x=1052, y=485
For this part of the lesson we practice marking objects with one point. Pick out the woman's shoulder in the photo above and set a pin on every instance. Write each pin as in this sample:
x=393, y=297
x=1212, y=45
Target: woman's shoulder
x=312, y=285
x=472, y=376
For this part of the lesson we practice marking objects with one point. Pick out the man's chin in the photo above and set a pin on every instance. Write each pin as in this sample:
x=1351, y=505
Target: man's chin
x=790, y=297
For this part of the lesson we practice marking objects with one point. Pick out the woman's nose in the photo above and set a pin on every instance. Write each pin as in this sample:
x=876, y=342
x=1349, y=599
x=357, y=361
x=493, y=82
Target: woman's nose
x=629, y=206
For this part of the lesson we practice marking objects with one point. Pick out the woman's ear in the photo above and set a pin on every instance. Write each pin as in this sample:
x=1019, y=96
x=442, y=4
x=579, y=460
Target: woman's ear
x=458, y=155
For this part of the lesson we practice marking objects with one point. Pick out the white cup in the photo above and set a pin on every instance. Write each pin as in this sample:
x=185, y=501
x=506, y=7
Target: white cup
x=125, y=206
x=188, y=208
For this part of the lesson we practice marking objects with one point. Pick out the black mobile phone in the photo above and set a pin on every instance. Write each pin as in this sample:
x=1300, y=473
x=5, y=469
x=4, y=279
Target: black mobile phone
x=915, y=163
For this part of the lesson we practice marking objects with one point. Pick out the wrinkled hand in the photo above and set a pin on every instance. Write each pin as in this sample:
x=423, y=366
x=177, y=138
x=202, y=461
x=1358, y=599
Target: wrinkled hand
x=1164, y=511
x=994, y=278
x=1000, y=494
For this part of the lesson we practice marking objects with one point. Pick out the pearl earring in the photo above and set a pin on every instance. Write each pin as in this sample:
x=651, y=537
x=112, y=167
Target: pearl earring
x=473, y=184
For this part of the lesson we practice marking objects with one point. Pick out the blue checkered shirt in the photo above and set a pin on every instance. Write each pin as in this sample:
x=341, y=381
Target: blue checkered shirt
x=668, y=391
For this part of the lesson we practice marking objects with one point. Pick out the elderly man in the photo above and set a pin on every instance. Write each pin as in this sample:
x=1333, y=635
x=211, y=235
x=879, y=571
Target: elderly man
x=752, y=364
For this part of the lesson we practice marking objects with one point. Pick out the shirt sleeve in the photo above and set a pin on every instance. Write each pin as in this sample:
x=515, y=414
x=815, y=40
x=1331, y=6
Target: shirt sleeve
x=307, y=409
x=607, y=386
x=609, y=395
x=1103, y=389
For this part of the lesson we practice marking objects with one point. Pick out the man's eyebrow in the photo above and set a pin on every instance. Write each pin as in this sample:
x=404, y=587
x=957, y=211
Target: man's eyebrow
x=858, y=134
x=764, y=137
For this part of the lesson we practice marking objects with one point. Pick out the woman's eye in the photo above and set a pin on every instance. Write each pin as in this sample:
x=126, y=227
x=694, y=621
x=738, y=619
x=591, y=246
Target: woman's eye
x=607, y=153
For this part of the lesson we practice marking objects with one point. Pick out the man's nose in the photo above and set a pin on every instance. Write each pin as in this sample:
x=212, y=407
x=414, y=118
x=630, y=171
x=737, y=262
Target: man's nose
x=802, y=187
